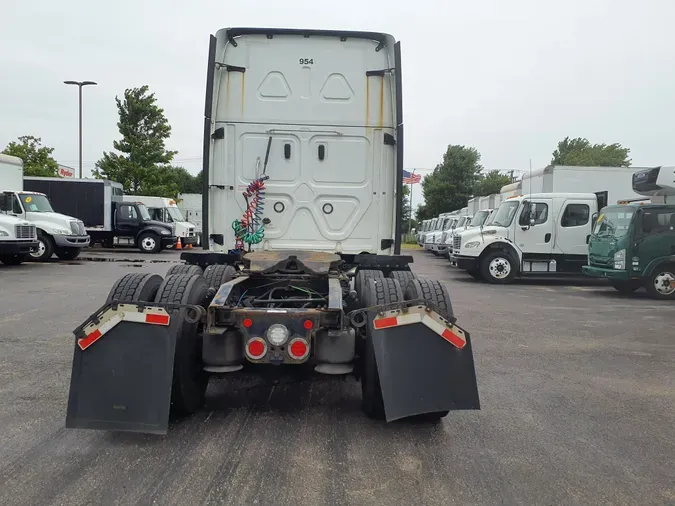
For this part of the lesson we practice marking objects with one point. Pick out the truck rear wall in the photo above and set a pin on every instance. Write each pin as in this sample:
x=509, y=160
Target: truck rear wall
x=328, y=101
x=11, y=173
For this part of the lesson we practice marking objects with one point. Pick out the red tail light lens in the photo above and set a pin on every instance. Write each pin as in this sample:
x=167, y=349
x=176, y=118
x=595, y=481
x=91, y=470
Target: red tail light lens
x=247, y=323
x=308, y=324
x=298, y=349
x=256, y=348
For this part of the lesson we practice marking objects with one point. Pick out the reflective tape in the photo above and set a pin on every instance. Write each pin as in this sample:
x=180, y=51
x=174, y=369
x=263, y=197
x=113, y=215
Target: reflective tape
x=419, y=314
x=125, y=312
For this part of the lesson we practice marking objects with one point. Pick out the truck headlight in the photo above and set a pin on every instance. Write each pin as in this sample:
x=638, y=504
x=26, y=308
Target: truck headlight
x=165, y=232
x=277, y=334
x=472, y=244
x=620, y=260
x=61, y=231
x=3, y=233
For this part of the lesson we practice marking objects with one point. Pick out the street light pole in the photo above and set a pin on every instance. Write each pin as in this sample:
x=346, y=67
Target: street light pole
x=80, y=84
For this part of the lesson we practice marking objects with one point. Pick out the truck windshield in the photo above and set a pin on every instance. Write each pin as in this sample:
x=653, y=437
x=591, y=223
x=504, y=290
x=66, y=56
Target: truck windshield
x=461, y=221
x=36, y=203
x=145, y=215
x=479, y=218
x=504, y=215
x=613, y=223
x=175, y=214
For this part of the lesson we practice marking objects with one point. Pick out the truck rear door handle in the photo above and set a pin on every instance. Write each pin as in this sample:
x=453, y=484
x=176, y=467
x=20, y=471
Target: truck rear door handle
x=547, y=237
x=588, y=238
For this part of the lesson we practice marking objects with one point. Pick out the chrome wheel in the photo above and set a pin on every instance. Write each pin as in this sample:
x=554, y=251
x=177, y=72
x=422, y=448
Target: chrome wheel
x=664, y=283
x=500, y=268
x=148, y=243
x=40, y=250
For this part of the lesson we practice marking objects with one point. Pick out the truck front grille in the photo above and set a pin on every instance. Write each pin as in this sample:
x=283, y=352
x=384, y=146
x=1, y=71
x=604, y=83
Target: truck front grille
x=25, y=231
x=77, y=228
x=456, y=242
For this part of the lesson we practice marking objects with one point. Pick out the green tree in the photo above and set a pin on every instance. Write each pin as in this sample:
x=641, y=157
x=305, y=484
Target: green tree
x=491, y=183
x=581, y=152
x=452, y=183
x=143, y=167
x=37, y=159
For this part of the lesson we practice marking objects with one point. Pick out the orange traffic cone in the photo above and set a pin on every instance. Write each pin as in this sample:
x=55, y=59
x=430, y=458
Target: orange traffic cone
x=189, y=246
x=179, y=245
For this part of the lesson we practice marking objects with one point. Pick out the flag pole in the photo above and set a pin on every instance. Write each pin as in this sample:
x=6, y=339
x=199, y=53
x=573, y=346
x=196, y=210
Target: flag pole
x=410, y=216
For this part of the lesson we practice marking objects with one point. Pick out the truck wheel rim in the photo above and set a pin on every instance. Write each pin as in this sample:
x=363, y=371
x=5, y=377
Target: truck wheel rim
x=500, y=268
x=40, y=251
x=664, y=283
x=148, y=243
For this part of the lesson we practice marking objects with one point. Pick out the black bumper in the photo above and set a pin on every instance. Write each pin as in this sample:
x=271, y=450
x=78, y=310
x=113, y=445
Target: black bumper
x=188, y=240
x=465, y=263
x=17, y=247
x=166, y=241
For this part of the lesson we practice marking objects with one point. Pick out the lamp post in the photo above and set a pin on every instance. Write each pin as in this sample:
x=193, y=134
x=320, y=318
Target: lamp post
x=80, y=84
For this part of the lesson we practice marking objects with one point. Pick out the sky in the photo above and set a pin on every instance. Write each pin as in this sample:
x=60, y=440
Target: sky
x=508, y=77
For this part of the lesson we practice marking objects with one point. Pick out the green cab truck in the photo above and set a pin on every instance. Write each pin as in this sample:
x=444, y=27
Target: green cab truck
x=633, y=243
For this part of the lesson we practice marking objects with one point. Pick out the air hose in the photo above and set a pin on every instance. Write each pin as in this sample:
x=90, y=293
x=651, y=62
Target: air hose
x=249, y=230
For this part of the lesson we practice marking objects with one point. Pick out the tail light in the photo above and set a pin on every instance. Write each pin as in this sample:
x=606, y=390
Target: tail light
x=256, y=348
x=298, y=349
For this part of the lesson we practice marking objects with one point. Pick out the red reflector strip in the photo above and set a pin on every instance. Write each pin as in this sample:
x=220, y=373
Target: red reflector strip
x=86, y=342
x=157, y=319
x=453, y=339
x=384, y=323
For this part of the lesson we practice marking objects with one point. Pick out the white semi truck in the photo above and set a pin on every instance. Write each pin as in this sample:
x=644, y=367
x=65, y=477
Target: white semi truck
x=543, y=234
x=190, y=205
x=57, y=233
x=313, y=119
x=167, y=211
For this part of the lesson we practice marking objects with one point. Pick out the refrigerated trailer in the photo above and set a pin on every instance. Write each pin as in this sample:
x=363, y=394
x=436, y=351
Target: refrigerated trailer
x=311, y=279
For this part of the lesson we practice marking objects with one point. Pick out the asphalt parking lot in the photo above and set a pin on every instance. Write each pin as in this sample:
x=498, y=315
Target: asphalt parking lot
x=577, y=389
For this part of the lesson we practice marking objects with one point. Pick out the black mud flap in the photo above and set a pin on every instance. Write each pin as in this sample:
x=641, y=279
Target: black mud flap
x=122, y=382
x=421, y=372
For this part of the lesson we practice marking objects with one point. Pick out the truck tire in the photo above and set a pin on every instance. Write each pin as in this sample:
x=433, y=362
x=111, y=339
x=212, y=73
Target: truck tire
x=361, y=282
x=378, y=291
x=216, y=275
x=12, y=259
x=189, y=378
x=498, y=268
x=661, y=283
x=135, y=287
x=67, y=253
x=45, y=248
x=403, y=277
x=433, y=291
x=475, y=274
x=149, y=243
x=185, y=269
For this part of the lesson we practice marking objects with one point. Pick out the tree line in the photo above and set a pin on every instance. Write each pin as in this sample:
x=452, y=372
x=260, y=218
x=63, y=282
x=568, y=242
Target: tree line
x=141, y=163
x=460, y=175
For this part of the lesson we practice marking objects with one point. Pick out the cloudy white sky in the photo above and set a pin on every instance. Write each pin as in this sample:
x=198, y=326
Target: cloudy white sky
x=509, y=77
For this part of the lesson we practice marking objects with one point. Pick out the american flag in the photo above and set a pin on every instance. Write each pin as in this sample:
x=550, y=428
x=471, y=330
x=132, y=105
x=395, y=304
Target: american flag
x=409, y=178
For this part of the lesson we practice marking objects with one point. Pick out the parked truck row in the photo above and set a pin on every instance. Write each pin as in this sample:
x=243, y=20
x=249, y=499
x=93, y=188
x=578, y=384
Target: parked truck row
x=67, y=215
x=568, y=220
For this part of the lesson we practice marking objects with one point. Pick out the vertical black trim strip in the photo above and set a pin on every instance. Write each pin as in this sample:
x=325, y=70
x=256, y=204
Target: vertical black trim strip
x=399, y=148
x=208, y=105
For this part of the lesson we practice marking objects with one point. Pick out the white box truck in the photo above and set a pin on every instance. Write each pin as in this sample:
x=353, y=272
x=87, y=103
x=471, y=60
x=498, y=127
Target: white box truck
x=543, y=234
x=57, y=233
x=190, y=205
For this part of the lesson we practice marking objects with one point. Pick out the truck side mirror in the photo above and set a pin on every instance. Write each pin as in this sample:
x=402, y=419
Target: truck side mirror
x=4, y=203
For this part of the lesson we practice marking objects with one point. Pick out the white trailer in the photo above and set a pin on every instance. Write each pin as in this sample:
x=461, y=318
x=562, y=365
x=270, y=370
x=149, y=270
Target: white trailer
x=57, y=233
x=190, y=205
x=511, y=190
x=472, y=205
